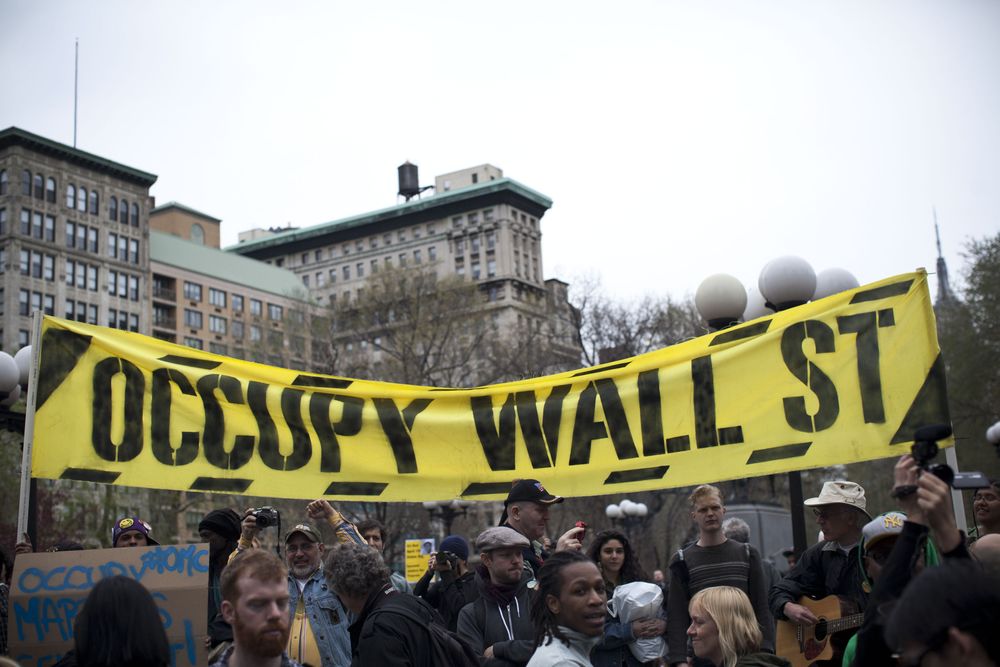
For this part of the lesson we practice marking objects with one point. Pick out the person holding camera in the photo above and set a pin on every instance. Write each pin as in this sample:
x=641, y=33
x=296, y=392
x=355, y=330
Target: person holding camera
x=319, y=624
x=457, y=583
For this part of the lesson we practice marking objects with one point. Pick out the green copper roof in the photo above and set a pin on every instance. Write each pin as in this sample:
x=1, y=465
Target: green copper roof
x=186, y=209
x=501, y=189
x=177, y=252
x=14, y=136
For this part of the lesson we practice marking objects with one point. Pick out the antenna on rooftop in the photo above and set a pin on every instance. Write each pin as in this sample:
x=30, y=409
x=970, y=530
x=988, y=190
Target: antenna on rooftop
x=409, y=181
x=76, y=78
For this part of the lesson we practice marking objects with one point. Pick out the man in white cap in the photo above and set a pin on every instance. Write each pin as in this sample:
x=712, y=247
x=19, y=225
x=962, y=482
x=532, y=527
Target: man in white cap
x=832, y=566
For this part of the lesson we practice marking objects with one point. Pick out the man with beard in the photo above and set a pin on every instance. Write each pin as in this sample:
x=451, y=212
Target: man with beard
x=498, y=625
x=713, y=560
x=255, y=603
x=319, y=624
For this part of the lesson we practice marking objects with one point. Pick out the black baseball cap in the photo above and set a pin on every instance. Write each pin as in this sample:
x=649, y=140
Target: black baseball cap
x=528, y=491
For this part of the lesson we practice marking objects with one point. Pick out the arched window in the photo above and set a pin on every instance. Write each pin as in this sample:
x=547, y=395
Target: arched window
x=124, y=212
x=39, y=186
x=113, y=208
x=95, y=207
x=197, y=234
x=3, y=181
x=26, y=183
x=81, y=199
x=70, y=195
x=50, y=190
x=135, y=214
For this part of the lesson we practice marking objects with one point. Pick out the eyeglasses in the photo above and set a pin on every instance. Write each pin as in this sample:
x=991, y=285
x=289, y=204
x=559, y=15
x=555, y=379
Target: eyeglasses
x=294, y=548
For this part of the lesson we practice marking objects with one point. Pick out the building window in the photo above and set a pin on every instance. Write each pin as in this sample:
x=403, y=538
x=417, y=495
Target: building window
x=192, y=291
x=402, y=259
x=238, y=303
x=133, y=323
x=216, y=348
x=318, y=255
x=3, y=181
x=488, y=215
x=254, y=333
x=474, y=243
x=401, y=235
x=491, y=241
x=112, y=245
x=333, y=276
x=50, y=190
x=194, y=342
x=361, y=270
x=23, y=301
x=39, y=182
x=81, y=199
x=36, y=225
x=473, y=218
x=320, y=279
x=123, y=212
x=417, y=259
x=475, y=270
x=133, y=288
x=81, y=276
x=50, y=228
x=122, y=248
x=456, y=222
x=347, y=272
x=491, y=268
x=217, y=297
x=70, y=196
x=92, y=239
x=3, y=221
x=26, y=183
x=49, y=267
x=374, y=266
x=275, y=312
x=197, y=234
x=432, y=254
x=305, y=280
x=133, y=251
x=304, y=259
x=192, y=318
x=256, y=307
x=94, y=203
x=237, y=329
x=122, y=285
x=217, y=324
x=113, y=208
x=387, y=239
x=135, y=214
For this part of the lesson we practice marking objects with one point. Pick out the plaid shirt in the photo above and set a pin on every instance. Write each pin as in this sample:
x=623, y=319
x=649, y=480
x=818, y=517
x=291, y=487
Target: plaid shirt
x=223, y=661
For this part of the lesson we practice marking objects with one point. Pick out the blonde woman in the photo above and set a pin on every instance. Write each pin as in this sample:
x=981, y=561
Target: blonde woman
x=724, y=630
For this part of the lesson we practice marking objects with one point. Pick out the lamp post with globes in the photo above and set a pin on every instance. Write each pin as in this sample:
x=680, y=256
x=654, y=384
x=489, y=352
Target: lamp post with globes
x=628, y=514
x=784, y=283
x=14, y=377
x=446, y=511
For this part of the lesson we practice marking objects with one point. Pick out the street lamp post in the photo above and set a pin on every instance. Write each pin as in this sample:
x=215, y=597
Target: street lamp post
x=14, y=374
x=446, y=511
x=628, y=514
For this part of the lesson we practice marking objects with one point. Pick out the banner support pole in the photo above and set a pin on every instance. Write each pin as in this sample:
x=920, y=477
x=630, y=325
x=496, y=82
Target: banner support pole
x=27, y=510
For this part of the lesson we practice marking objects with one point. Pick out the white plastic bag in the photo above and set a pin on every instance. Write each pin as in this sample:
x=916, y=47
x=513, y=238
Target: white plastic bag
x=635, y=601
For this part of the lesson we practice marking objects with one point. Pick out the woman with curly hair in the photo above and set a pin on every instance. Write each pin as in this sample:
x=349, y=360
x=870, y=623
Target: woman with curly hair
x=618, y=564
x=724, y=629
x=568, y=611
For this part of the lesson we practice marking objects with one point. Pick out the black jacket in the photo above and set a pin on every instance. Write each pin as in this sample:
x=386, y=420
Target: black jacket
x=449, y=595
x=824, y=569
x=392, y=639
x=507, y=628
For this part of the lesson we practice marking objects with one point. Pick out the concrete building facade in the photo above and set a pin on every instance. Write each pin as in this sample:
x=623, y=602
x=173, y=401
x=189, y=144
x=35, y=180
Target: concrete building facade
x=74, y=237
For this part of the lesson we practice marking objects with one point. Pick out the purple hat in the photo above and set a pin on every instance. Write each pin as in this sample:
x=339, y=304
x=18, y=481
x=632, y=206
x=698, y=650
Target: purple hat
x=129, y=524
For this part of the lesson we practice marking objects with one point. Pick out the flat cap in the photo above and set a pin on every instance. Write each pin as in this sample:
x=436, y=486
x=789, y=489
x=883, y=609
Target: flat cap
x=500, y=537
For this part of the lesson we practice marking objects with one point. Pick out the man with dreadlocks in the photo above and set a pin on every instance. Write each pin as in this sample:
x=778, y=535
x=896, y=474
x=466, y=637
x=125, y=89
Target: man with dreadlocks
x=568, y=611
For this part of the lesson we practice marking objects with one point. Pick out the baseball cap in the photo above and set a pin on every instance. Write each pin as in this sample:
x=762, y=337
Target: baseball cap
x=885, y=525
x=528, y=490
x=132, y=523
x=306, y=530
x=500, y=537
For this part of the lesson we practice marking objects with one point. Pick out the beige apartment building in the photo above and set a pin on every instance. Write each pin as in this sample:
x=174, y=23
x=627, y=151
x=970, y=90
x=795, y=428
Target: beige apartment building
x=74, y=237
x=223, y=303
x=479, y=226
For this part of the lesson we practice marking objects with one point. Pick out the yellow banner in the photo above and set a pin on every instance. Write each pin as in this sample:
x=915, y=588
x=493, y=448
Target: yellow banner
x=847, y=378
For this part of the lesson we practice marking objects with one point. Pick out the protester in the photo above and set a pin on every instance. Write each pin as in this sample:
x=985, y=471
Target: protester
x=618, y=564
x=255, y=602
x=318, y=622
x=374, y=534
x=986, y=509
x=131, y=531
x=568, y=610
x=737, y=529
x=660, y=581
x=119, y=626
x=457, y=585
x=724, y=629
x=498, y=624
x=986, y=550
x=926, y=501
x=526, y=510
x=221, y=530
x=948, y=615
x=712, y=560
x=832, y=566
x=391, y=628
x=791, y=558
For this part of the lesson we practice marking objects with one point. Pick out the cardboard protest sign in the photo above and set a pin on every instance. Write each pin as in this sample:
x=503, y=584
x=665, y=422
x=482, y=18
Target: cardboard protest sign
x=48, y=590
x=843, y=379
x=418, y=557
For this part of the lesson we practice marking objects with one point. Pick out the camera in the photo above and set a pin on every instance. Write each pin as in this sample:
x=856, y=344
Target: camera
x=266, y=516
x=448, y=556
x=925, y=448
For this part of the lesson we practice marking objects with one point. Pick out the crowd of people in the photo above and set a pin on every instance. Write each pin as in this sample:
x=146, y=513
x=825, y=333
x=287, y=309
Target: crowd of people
x=922, y=591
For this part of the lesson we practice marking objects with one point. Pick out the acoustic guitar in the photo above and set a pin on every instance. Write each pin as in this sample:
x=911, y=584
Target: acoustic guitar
x=803, y=645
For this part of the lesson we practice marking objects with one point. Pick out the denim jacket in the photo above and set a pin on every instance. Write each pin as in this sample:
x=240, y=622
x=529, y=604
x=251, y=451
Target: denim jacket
x=326, y=617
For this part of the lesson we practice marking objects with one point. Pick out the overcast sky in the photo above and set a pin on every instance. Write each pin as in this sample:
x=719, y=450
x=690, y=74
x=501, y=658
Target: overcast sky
x=677, y=138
